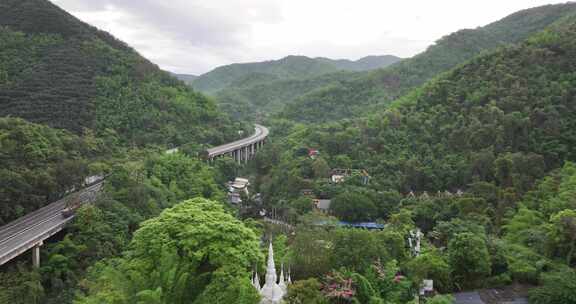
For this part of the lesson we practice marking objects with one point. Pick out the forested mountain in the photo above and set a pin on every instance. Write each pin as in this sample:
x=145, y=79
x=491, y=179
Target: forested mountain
x=83, y=97
x=511, y=110
x=259, y=94
x=76, y=102
x=59, y=71
x=498, y=130
x=363, y=64
x=241, y=74
x=38, y=163
x=261, y=99
x=244, y=75
x=468, y=150
x=187, y=78
x=350, y=98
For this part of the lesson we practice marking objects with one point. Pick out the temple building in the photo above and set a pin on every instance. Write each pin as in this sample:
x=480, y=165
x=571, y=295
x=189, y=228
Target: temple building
x=273, y=290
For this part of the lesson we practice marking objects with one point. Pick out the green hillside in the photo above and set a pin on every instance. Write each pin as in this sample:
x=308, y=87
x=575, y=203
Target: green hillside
x=506, y=117
x=363, y=64
x=285, y=68
x=379, y=87
x=59, y=71
x=244, y=75
x=500, y=128
x=262, y=98
x=187, y=78
x=73, y=97
x=256, y=90
x=37, y=163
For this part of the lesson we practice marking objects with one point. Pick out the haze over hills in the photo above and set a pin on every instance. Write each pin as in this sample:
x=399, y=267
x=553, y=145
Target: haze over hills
x=351, y=98
x=255, y=90
x=366, y=63
x=187, y=78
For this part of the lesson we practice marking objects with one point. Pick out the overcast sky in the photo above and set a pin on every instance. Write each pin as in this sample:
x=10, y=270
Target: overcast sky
x=195, y=36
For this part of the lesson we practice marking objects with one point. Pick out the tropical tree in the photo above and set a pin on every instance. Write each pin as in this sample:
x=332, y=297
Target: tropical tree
x=469, y=259
x=305, y=292
x=194, y=252
x=353, y=207
x=563, y=234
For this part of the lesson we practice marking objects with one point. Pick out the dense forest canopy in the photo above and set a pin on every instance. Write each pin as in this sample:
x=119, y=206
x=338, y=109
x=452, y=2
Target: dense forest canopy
x=195, y=243
x=59, y=71
x=470, y=143
x=38, y=163
x=505, y=118
x=498, y=130
x=256, y=90
x=290, y=67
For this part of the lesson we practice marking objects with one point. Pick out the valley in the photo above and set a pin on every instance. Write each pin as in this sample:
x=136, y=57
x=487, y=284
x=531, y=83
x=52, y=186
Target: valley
x=445, y=177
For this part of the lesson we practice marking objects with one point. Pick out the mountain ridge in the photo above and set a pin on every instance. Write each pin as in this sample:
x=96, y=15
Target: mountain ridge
x=59, y=71
x=352, y=98
x=289, y=67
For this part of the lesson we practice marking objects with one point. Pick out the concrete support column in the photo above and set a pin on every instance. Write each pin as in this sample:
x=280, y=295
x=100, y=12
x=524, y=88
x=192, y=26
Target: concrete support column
x=245, y=154
x=36, y=255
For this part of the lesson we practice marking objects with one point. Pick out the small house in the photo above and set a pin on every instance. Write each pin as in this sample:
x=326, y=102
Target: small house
x=322, y=205
x=313, y=153
x=236, y=188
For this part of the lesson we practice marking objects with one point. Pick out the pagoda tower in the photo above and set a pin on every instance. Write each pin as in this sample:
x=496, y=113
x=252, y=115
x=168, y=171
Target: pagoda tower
x=272, y=292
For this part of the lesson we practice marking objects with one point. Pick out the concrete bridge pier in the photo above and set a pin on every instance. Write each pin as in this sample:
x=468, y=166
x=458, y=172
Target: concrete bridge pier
x=241, y=150
x=246, y=154
x=36, y=255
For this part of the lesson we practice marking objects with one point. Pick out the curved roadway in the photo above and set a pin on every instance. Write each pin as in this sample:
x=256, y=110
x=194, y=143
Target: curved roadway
x=259, y=135
x=24, y=233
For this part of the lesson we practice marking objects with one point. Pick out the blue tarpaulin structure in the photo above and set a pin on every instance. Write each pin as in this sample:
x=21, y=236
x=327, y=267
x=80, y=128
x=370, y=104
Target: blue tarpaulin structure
x=363, y=225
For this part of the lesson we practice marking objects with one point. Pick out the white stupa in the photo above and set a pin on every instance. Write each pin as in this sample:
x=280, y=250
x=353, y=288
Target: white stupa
x=256, y=281
x=271, y=292
x=282, y=283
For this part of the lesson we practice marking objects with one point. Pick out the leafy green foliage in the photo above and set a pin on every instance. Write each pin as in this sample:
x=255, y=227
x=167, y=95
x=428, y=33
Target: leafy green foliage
x=558, y=287
x=37, y=164
x=353, y=207
x=469, y=259
x=431, y=265
x=192, y=253
x=27, y=288
x=58, y=71
x=305, y=292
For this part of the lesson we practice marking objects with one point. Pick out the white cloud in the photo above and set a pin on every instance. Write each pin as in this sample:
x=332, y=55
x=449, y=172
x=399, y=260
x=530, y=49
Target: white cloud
x=194, y=36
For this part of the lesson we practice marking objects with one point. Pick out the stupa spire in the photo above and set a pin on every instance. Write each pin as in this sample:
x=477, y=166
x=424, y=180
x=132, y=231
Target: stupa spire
x=271, y=267
x=256, y=281
x=271, y=292
x=282, y=283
